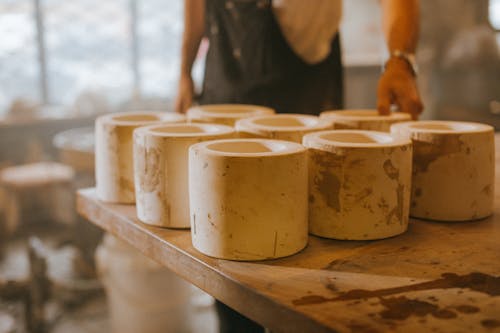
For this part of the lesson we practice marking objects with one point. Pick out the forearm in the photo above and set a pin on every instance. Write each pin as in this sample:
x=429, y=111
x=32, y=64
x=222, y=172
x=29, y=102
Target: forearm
x=194, y=26
x=398, y=85
x=400, y=20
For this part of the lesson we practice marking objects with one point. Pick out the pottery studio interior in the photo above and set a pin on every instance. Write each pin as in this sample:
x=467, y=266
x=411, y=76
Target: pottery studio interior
x=195, y=166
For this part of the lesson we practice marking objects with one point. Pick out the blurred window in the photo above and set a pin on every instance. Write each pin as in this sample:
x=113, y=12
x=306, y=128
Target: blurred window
x=19, y=71
x=54, y=50
x=494, y=13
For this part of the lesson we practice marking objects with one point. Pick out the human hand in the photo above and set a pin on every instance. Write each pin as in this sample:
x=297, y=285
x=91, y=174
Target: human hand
x=398, y=86
x=185, y=94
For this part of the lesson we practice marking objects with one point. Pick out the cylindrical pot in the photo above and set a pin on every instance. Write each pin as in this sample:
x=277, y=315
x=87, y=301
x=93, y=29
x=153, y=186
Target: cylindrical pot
x=161, y=170
x=453, y=169
x=113, y=152
x=289, y=127
x=248, y=198
x=364, y=119
x=359, y=184
x=225, y=114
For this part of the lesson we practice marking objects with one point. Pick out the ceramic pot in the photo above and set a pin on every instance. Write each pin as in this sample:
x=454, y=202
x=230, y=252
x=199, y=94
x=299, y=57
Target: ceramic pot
x=113, y=152
x=161, y=170
x=453, y=169
x=364, y=119
x=225, y=114
x=359, y=184
x=289, y=127
x=248, y=198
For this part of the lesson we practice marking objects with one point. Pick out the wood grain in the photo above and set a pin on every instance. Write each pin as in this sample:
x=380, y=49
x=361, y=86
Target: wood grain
x=440, y=277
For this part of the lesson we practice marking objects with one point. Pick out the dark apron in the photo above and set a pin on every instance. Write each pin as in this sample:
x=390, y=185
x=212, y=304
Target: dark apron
x=250, y=62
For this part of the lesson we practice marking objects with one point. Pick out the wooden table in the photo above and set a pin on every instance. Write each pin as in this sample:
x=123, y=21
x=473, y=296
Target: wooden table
x=437, y=277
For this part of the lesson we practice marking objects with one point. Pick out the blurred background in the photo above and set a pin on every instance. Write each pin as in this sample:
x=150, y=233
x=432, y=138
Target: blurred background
x=62, y=63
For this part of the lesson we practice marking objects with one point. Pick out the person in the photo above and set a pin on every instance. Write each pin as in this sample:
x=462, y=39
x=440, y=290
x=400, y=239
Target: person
x=285, y=54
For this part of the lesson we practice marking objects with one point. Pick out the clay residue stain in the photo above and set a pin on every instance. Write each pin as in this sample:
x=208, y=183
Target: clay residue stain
x=361, y=328
x=424, y=153
x=490, y=323
x=326, y=182
x=311, y=198
x=400, y=205
x=310, y=299
x=340, y=264
x=149, y=178
x=382, y=204
x=480, y=282
x=126, y=184
x=331, y=286
x=356, y=163
x=487, y=190
x=275, y=243
x=167, y=211
x=328, y=186
x=467, y=309
x=397, y=211
x=390, y=170
x=363, y=194
x=400, y=308
x=194, y=224
x=209, y=218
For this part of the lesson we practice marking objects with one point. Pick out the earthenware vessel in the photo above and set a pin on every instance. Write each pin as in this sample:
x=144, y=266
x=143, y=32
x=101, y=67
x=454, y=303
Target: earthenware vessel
x=161, y=170
x=113, y=152
x=225, y=114
x=453, y=169
x=359, y=184
x=290, y=127
x=368, y=119
x=248, y=198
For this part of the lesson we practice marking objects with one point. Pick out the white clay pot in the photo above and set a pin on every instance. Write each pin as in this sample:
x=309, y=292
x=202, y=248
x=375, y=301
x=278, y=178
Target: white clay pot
x=248, y=198
x=359, y=184
x=113, y=152
x=225, y=114
x=289, y=127
x=364, y=119
x=453, y=169
x=161, y=170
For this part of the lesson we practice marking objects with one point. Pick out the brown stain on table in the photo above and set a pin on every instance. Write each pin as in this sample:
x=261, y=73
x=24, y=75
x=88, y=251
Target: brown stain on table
x=401, y=308
x=467, y=309
x=361, y=328
x=490, y=323
x=476, y=281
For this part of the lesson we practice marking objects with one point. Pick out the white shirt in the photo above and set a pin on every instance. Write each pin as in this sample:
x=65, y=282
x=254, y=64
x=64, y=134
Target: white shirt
x=309, y=26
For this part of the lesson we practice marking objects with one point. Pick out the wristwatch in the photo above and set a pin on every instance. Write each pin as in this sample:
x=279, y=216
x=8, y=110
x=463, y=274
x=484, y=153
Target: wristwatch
x=408, y=57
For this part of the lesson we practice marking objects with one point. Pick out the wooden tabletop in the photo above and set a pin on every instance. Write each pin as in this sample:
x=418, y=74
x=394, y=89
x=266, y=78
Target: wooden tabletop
x=439, y=277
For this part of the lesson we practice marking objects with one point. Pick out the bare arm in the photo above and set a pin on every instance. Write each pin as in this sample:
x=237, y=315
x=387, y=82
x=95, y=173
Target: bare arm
x=194, y=27
x=397, y=85
x=400, y=21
